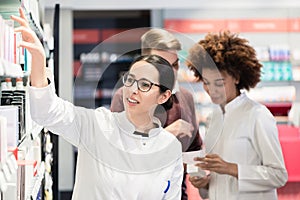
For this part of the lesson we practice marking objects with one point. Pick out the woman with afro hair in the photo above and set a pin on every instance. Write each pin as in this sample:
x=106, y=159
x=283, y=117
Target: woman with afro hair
x=244, y=156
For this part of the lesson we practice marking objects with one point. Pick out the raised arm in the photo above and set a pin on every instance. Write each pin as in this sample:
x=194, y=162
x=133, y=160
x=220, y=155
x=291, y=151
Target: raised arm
x=32, y=43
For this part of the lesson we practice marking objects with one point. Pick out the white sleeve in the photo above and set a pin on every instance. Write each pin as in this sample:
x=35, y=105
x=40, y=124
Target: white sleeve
x=271, y=172
x=53, y=113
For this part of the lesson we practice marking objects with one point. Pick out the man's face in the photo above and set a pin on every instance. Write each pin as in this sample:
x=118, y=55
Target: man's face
x=170, y=56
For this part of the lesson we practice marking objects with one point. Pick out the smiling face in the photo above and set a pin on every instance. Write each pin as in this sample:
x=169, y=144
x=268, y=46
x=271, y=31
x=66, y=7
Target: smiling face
x=220, y=86
x=140, y=103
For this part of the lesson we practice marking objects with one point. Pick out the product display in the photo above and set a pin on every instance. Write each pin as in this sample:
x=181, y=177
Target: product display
x=22, y=166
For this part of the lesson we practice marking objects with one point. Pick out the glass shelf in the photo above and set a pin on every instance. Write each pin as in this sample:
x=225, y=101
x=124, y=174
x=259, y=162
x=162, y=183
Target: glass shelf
x=7, y=5
x=277, y=83
x=10, y=7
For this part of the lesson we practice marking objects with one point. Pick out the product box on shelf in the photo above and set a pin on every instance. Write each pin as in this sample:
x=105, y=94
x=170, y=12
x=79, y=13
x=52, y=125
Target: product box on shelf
x=3, y=138
x=11, y=113
x=8, y=177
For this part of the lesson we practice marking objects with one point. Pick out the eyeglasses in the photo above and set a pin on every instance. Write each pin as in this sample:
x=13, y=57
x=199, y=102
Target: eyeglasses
x=175, y=64
x=143, y=84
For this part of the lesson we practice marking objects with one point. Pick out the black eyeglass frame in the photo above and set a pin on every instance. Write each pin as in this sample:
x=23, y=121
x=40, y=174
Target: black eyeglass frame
x=137, y=81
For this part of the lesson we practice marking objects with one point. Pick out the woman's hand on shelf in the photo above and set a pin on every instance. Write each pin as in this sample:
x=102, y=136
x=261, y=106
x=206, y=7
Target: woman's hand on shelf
x=32, y=43
x=30, y=39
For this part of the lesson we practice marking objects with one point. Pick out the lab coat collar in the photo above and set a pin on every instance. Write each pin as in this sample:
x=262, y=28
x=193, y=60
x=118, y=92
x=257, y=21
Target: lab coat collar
x=129, y=128
x=236, y=102
x=217, y=122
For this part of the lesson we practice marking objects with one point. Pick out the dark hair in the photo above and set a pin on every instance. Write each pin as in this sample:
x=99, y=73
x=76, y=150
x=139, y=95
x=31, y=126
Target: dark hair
x=229, y=53
x=166, y=74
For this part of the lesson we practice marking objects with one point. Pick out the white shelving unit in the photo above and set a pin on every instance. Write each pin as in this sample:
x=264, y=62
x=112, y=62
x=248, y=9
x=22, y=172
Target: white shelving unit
x=24, y=168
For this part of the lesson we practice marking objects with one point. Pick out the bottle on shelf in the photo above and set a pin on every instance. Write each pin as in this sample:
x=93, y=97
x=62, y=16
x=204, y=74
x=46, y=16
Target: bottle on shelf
x=19, y=84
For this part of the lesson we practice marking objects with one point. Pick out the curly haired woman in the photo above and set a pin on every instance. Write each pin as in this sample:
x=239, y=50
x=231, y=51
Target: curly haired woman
x=244, y=156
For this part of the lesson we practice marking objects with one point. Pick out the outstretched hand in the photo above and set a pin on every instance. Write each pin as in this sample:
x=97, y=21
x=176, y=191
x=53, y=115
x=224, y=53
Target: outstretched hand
x=30, y=40
x=32, y=43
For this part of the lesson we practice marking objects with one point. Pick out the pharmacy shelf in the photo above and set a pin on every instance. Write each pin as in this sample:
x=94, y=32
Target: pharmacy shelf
x=27, y=139
x=30, y=146
x=278, y=83
x=281, y=84
x=10, y=166
x=10, y=69
x=11, y=7
x=36, y=183
x=7, y=169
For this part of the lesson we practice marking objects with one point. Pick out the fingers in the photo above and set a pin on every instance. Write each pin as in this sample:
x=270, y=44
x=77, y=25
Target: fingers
x=213, y=162
x=180, y=128
x=29, y=46
x=27, y=34
x=199, y=182
x=185, y=128
x=23, y=29
x=212, y=156
x=22, y=14
x=201, y=159
x=22, y=19
x=207, y=158
x=209, y=162
x=196, y=183
x=186, y=133
x=186, y=125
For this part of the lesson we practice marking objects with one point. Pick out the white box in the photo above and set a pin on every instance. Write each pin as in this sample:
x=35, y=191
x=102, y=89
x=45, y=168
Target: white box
x=188, y=159
x=11, y=114
x=3, y=139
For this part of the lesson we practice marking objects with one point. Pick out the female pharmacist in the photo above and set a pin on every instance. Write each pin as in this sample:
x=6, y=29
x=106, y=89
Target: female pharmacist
x=124, y=155
x=244, y=156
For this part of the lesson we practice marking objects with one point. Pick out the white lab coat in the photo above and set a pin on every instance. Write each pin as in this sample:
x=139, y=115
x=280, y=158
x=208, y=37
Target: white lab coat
x=246, y=135
x=113, y=163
